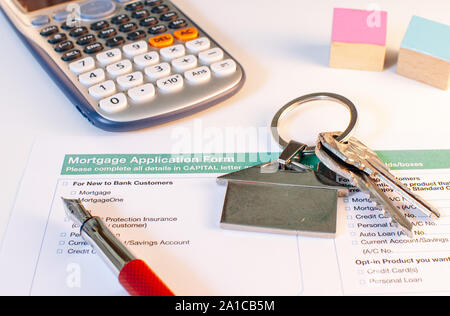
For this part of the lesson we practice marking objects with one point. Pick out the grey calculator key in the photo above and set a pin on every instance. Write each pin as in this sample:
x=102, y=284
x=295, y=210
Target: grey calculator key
x=40, y=20
x=61, y=15
x=96, y=9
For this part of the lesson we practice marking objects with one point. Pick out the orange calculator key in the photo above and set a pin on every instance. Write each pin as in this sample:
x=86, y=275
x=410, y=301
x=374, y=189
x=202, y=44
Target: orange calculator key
x=186, y=34
x=161, y=41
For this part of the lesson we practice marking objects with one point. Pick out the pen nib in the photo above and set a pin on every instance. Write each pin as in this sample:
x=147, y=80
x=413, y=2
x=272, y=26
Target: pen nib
x=76, y=211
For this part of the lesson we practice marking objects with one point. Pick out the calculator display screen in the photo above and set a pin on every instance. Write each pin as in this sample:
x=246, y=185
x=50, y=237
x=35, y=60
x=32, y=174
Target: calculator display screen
x=33, y=5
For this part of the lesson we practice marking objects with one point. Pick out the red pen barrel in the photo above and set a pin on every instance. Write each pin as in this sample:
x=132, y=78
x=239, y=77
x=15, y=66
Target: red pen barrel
x=139, y=280
x=135, y=275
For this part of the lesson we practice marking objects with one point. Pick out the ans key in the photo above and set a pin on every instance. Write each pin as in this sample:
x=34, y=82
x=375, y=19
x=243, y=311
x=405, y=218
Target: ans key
x=355, y=153
x=367, y=185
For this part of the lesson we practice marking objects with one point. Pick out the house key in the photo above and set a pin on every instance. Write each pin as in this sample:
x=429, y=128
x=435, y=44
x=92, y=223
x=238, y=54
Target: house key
x=365, y=183
x=343, y=157
x=355, y=153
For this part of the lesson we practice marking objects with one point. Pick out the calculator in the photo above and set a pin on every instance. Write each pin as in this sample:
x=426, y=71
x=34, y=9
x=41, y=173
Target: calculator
x=126, y=65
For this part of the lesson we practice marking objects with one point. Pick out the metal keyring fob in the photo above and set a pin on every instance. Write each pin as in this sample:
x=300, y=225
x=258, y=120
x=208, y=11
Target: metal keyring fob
x=315, y=97
x=286, y=196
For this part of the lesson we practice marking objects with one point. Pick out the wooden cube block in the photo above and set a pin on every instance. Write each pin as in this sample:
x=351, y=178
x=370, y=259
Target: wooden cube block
x=425, y=53
x=358, y=39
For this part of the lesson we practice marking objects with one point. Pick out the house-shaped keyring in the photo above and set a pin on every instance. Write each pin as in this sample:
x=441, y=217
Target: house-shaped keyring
x=283, y=201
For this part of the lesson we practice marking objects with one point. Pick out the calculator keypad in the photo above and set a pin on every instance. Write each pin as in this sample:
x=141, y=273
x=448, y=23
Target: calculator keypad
x=224, y=68
x=158, y=71
x=198, y=75
x=50, y=30
x=57, y=38
x=93, y=48
x=82, y=66
x=142, y=94
x=120, y=68
x=64, y=46
x=109, y=57
x=145, y=60
x=170, y=84
x=211, y=55
x=114, y=104
x=78, y=31
x=115, y=41
x=171, y=52
x=93, y=77
x=107, y=33
x=184, y=63
x=71, y=55
x=161, y=41
x=136, y=48
x=100, y=25
x=86, y=39
x=130, y=81
x=103, y=90
x=131, y=58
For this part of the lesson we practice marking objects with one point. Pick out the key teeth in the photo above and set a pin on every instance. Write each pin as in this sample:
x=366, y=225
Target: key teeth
x=389, y=216
x=397, y=224
x=328, y=151
x=357, y=154
x=380, y=205
x=385, y=212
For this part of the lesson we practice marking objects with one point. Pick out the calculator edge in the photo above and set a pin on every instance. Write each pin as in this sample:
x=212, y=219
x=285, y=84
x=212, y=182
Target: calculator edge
x=84, y=107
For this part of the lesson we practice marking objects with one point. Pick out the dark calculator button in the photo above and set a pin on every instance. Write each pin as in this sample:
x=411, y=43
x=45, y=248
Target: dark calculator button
x=115, y=41
x=177, y=24
x=152, y=3
x=136, y=35
x=134, y=6
x=100, y=25
x=57, y=38
x=128, y=27
x=148, y=21
x=49, y=30
x=79, y=31
x=86, y=39
x=169, y=16
x=162, y=8
x=107, y=33
x=66, y=27
x=93, y=48
x=120, y=19
x=140, y=14
x=64, y=46
x=72, y=55
x=157, y=29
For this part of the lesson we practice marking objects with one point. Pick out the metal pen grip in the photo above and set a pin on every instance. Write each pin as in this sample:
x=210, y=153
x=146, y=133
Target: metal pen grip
x=106, y=244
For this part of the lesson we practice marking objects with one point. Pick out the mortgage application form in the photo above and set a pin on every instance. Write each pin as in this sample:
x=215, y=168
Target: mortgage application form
x=166, y=208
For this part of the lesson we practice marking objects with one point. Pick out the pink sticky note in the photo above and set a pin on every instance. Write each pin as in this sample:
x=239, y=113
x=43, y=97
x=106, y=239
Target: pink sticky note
x=359, y=26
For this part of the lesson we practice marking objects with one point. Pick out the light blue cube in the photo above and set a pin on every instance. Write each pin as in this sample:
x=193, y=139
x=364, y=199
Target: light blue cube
x=425, y=53
x=428, y=37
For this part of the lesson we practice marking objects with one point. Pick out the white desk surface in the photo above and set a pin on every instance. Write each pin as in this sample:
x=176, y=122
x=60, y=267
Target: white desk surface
x=284, y=48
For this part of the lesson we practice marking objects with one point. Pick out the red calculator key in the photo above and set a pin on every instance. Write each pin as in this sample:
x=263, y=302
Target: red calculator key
x=187, y=34
x=161, y=41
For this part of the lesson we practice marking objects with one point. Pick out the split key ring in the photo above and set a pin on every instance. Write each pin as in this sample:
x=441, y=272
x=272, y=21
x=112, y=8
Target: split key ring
x=309, y=98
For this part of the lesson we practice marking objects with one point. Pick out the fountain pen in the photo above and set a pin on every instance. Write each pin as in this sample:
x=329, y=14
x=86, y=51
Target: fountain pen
x=135, y=275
